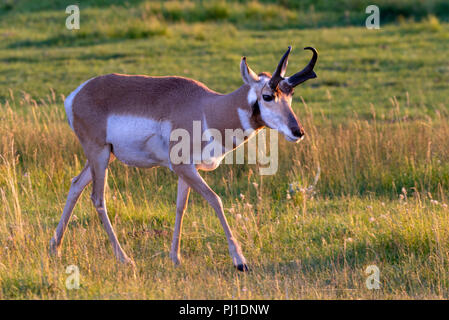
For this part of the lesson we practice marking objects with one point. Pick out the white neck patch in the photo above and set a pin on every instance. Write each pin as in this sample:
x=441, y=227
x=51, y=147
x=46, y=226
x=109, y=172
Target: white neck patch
x=252, y=96
x=244, y=117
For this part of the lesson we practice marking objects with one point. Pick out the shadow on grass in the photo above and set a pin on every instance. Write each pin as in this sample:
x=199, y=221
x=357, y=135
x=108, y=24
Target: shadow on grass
x=394, y=255
x=62, y=41
x=90, y=56
x=24, y=6
x=86, y=39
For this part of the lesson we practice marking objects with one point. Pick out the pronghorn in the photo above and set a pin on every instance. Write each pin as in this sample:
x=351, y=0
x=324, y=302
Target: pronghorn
x=131, y=118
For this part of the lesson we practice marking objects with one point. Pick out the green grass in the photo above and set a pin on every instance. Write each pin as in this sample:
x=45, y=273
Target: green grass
x=409, y=58
x=377, y=124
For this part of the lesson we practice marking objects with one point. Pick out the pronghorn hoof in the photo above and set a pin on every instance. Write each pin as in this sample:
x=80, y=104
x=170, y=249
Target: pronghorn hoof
x=242, y=267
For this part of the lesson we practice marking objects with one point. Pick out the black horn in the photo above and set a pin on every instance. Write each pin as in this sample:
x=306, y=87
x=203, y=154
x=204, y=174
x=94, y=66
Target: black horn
x=280, y=70
x=306, y=73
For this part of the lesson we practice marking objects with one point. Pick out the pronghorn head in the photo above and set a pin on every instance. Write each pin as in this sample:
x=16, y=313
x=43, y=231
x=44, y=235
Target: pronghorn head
x=271, y=95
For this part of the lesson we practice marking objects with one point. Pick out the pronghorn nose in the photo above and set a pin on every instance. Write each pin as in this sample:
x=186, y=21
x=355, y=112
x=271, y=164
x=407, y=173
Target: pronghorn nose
x=298, y=132
x=295, y=127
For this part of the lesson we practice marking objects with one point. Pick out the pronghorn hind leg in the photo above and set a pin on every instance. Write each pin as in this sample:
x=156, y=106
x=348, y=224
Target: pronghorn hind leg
x=76, y=188
x=191, y=176
x=181, y=205
x=99, y=161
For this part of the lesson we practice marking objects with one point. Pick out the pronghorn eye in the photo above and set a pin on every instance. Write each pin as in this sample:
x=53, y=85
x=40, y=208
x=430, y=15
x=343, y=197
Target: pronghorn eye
x=266, y=97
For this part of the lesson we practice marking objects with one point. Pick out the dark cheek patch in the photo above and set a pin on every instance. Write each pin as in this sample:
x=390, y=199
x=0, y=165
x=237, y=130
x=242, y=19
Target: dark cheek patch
x=256, y=109
x=256, y=117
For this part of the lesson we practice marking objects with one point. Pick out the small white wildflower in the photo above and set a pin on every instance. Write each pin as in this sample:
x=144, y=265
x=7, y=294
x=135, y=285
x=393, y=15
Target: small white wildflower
x=372, y=219
x=242, y=196
x=255, y=184
x=238, y=216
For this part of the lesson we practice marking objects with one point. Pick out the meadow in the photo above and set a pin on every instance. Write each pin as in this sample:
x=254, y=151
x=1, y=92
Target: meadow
x=369, y=185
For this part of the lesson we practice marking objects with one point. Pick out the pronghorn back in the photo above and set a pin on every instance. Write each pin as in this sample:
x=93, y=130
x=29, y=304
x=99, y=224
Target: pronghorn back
x=155, y=98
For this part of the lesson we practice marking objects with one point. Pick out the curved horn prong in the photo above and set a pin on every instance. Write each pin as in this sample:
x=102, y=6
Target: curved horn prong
x=280, y=70
x=307, y=72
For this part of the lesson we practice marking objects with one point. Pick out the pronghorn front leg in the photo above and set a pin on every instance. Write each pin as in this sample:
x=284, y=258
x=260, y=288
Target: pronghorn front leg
x=181, y=205
x=99, y=165
x=191, y=176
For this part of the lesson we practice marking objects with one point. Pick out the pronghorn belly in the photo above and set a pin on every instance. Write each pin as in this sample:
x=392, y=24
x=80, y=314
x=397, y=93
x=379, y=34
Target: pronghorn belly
x=139, y=141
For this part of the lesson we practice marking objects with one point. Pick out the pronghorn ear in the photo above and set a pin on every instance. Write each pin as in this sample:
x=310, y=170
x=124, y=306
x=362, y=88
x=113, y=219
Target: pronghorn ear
x=248, y=75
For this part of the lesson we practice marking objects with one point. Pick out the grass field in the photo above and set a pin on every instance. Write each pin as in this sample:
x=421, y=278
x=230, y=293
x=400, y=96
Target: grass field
x=377, y=124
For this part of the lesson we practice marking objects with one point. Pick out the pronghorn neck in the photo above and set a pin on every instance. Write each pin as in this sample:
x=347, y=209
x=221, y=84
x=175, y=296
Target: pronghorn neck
x=235, y=110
